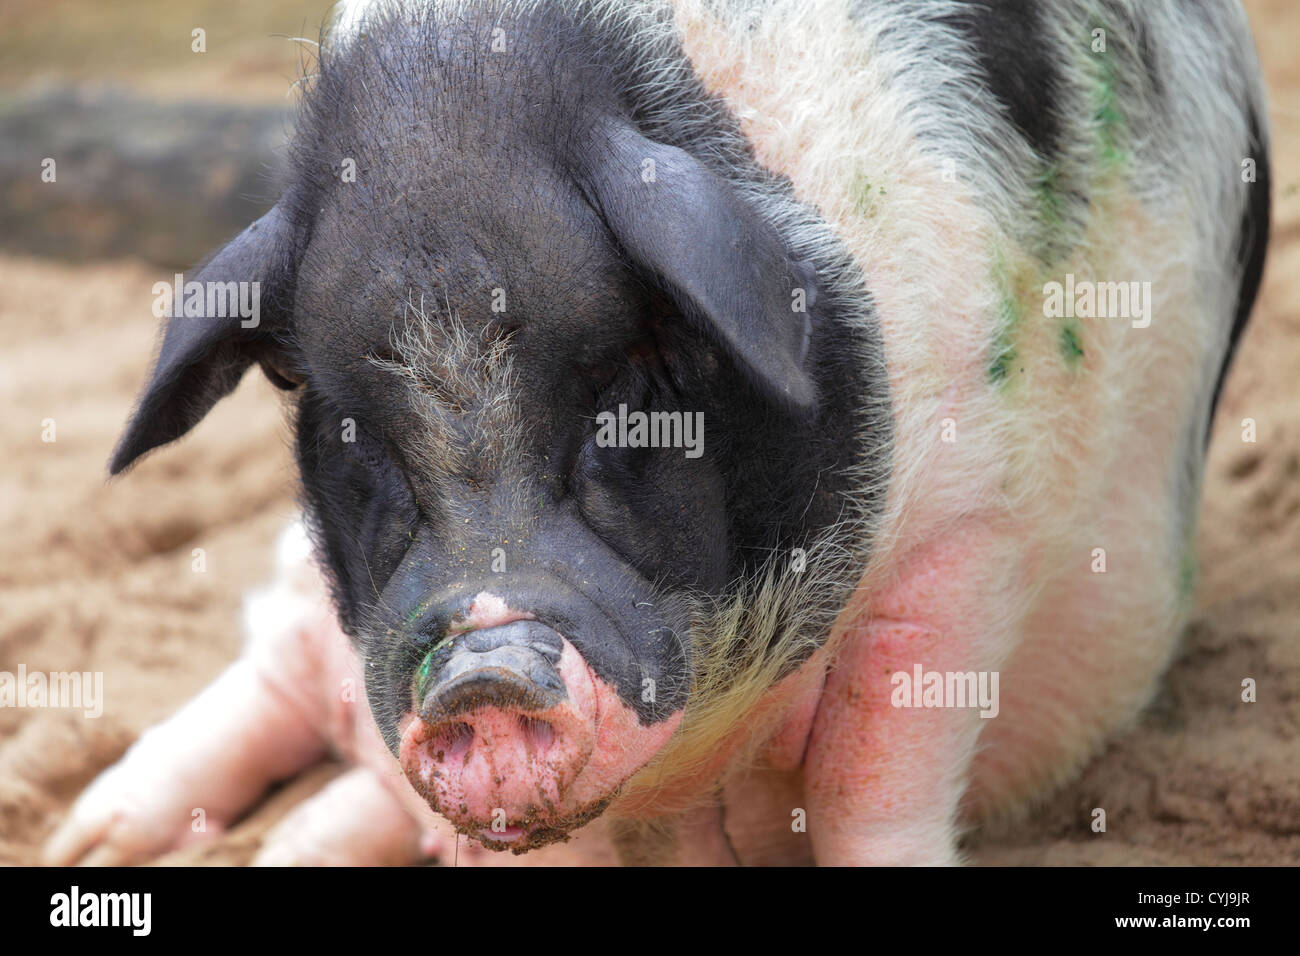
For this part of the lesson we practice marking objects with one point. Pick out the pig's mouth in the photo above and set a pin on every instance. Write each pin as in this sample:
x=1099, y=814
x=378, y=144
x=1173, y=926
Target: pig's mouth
x=522, y=837
x=513, y=737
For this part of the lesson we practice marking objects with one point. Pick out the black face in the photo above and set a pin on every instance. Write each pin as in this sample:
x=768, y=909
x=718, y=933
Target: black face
x=513, y=261
x=420, y=502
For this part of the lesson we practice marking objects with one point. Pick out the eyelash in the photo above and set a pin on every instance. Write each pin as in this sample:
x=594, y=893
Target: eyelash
x=365, y=450
x=381, y=467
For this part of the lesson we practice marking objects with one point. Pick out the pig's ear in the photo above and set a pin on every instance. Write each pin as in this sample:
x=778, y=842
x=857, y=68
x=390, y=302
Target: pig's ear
x=203, y=358
x=722, y=264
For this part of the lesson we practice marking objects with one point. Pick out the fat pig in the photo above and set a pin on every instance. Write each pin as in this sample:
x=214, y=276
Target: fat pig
x=775, y=429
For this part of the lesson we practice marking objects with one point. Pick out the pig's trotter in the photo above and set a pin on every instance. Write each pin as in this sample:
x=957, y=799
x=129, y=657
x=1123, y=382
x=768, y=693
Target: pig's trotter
x=185, y=779
x=354, y=821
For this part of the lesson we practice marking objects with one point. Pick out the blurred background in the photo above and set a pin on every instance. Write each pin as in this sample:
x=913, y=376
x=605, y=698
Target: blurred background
x=161, y=153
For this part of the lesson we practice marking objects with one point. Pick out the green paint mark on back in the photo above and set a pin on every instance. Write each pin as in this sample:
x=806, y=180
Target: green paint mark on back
x=1071, y=345
x=1064, y=205
x=1107, y=117
x=1055, y=234
x=1010, y=317
x=866, y=195
x=1004, y=352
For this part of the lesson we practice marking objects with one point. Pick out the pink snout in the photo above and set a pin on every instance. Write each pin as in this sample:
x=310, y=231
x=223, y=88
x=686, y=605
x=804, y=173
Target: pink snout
x=518, y=750
x=498, y=753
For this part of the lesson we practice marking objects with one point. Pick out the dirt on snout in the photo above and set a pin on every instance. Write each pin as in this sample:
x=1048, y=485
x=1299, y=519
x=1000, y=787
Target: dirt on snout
x=143, y=579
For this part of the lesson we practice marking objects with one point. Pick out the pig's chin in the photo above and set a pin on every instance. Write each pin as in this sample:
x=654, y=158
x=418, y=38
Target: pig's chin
x=521, y=838
x=520, y=779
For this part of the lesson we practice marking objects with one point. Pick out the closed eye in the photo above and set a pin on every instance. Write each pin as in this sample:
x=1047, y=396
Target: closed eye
x=368, y=451
x=374, y=456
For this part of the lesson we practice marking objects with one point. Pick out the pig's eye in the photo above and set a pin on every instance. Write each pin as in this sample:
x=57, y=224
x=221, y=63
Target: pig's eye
x=629, y=386
x=635, y=366
x=385, y=484
x=358, y=495
x=374, y=457
x=367, y=451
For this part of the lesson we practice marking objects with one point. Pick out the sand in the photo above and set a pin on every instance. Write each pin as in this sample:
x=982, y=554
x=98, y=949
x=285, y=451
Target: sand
x=101, y=577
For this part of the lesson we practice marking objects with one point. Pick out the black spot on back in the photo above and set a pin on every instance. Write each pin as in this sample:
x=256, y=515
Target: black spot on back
x=1252, y=242
x=1019, y=67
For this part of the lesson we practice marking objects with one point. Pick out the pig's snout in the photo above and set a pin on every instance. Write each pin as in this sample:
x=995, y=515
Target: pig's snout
x=506, y=722
x=510, y=668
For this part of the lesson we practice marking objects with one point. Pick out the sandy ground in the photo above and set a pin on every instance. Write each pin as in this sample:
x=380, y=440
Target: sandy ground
x=100, y=577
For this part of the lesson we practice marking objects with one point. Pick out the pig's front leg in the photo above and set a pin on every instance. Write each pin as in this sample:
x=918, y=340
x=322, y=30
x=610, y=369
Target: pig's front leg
x=216, y=755
x=354, y=821
x=262, y=720
x=883, y=782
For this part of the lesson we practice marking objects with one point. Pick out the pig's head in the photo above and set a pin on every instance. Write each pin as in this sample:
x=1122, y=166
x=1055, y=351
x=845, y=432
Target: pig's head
x=480, y=259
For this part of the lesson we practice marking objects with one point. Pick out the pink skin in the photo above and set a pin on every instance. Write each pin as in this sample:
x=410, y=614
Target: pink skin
x=520, y=780
x=879, y=784
x=488, y=610
x=354, y=821
x=883, y=783
x=292, y=698
x=785, y=713
x=216, y=755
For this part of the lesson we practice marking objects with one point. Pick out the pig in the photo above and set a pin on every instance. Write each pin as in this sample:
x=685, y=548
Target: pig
x=777, y=427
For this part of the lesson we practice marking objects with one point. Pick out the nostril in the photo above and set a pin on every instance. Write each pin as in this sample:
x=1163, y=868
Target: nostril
x=538, y=734
x=453, y=740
